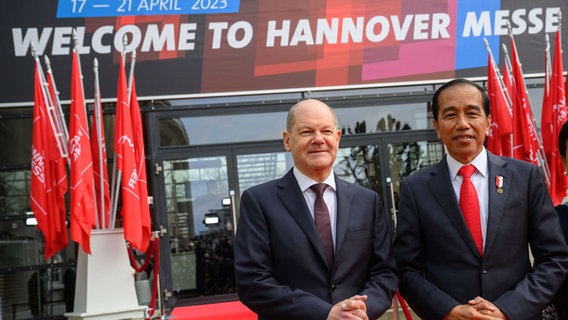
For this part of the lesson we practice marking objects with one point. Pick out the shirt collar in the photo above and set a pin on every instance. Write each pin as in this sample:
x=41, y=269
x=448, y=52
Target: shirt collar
x=480, y=164
x=305, y=182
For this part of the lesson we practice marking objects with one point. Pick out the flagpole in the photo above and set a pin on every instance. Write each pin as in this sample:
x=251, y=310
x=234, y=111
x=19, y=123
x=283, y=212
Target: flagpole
x=76, y=49
x=499, y=78
x=116, y=174
x=61, y=137
x=541, y=157
x=547, y=66
x=57, y=107
x=97, y=111
x=60, y=144
x=131, y=74
x=508, y=94
x=114, y=190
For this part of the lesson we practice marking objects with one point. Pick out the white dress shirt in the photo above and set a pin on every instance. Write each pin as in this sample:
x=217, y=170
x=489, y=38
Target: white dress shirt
x=480, y=180
x=329, y=196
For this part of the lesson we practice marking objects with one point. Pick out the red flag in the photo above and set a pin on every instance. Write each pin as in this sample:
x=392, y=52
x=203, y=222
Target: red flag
x=98, y=150
x=60, y=173
x=82, y=188
x=146, y=230
x=499, y=139
x=126, y=162
x=45, y=184
x=526, y=143
x=553, y=117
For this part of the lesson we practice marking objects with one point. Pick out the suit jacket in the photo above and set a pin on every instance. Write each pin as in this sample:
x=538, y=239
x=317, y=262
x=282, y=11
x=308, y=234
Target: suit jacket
x=280, y=261
x=439, y=264
x=561, y=298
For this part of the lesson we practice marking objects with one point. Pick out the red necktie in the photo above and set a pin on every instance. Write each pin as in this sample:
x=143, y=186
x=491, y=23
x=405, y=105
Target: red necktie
x=469, y=205
x=323, y=223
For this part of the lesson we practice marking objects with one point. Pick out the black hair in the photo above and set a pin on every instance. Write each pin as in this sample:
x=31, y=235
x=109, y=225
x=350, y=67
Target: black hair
x=455, y=82
x=562, y=138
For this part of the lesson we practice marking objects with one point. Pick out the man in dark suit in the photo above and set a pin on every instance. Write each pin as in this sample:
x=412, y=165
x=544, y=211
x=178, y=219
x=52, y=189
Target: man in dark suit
x=282, y=268
x=444, y=274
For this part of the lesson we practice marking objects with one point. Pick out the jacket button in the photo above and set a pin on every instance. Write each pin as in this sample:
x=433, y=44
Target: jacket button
x=333, y=287
x=484, y=270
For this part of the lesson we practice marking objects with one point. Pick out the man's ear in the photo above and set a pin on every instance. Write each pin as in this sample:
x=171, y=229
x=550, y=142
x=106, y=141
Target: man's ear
x=286, y=141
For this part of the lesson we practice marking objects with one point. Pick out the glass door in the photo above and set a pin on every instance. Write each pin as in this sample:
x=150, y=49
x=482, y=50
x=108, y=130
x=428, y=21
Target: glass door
x=381, y=162
x=404, y=159
x=200, y=225
x=256, y=168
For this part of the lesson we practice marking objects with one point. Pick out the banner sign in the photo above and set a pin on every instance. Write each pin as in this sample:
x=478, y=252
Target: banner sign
x=189, y=48
x=114, y=8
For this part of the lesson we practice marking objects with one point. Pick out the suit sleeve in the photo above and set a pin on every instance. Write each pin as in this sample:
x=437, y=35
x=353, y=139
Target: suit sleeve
x=550, y=253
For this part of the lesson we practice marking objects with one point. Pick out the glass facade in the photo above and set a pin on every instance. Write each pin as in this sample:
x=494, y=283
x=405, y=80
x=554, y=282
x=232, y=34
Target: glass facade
x=30, y=287
x=204, y=130
x=263, y=126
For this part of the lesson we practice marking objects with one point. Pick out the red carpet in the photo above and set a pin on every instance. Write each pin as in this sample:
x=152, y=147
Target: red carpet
x=233, y=310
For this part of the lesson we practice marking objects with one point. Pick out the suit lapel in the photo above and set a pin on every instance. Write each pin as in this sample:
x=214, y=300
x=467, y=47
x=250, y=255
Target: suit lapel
x=497, y=200
x=293, y=199
x=441, y=187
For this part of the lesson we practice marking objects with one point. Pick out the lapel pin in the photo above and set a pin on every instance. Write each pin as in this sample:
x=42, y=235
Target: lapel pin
x=499, y=184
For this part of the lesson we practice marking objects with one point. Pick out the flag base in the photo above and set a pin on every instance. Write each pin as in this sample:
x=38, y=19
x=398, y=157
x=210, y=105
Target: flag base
x=105, y=280
x=109, y=315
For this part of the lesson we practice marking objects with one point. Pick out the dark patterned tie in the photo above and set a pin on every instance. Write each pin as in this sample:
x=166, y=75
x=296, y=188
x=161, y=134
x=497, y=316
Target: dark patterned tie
x=323, y=223
x=469, y=205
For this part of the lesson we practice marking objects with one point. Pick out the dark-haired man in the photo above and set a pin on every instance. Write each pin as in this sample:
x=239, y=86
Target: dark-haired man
x=464, y=234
